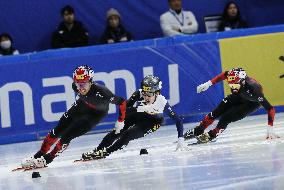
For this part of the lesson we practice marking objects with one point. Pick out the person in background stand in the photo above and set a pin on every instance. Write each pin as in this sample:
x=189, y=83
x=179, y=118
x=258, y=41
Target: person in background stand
x=176, y=21
x=6, y=45
x=231, y=18
x=115, y=32
x=70, y=33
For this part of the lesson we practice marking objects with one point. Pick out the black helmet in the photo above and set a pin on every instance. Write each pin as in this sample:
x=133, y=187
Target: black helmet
x=151, y=84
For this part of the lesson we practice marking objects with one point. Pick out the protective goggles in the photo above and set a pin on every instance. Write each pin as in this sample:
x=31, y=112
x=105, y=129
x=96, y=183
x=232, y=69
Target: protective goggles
x=81, y=85
x=235, y=86
x=148, y=94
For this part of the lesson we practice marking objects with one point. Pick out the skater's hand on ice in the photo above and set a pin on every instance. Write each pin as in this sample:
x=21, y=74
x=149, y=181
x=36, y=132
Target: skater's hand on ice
x=270, y=133
x=118, y=126
x=180, y=144
x=204, y=86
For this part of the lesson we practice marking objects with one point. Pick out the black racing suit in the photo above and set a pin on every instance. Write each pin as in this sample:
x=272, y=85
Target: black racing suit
x=84, y=114
x=138, y=124
x=236, y=106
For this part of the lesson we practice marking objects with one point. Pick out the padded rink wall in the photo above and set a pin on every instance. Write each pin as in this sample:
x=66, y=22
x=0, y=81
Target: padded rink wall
x=35, y=89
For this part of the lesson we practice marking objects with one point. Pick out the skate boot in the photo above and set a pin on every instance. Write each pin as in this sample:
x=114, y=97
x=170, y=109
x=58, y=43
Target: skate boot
x=203, y=138
x=89, y=155
x=100, y=154
x=29, y=162
x=189, y=134
x=193, y=133
x=210, y=136
x=43, y=161
x=38, y=154
x=198, y=130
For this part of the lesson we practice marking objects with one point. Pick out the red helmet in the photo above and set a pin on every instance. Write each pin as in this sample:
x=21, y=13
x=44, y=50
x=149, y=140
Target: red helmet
x=83, y=74
x=236, y=76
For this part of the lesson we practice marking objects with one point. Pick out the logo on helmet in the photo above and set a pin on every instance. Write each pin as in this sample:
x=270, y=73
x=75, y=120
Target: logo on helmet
x=82, y=74
x=232, y=79
x=146, y=88
x=235, y=76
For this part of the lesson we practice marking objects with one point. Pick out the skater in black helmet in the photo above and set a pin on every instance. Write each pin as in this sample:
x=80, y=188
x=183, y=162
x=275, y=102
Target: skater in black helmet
x=146, y=118
x=91, y=107
x=245, y=98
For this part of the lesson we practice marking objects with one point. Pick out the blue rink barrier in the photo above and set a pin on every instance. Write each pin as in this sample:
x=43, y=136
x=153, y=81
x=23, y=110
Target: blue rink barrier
x=35, y=88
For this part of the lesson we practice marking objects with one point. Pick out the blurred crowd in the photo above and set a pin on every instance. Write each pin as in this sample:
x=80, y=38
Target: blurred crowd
x=176, y=21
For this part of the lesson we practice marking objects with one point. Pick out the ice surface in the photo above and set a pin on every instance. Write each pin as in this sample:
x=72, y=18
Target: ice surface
x=241, y=158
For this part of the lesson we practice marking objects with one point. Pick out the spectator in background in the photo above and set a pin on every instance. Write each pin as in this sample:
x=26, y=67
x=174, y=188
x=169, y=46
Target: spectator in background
x=231, y=18
x=114, y=31
x=6, y=45
x=70, y=33
x=177, y=21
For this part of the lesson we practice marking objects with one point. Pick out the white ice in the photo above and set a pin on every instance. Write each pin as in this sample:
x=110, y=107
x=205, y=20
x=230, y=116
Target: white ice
x=241, y=158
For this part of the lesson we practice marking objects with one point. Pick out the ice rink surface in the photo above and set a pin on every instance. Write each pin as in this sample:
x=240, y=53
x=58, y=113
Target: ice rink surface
x=241, y=158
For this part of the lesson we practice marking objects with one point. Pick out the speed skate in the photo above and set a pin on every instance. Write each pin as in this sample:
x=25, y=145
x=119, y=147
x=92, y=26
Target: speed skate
x=30, y=163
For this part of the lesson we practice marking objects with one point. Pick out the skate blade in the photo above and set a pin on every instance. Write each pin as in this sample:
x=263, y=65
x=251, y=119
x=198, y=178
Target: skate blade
x=82, y=160
x=189, y=138
x=201, y=143
x=34, y=168
x=21, y=168
x=273, y=138
x=195, y=143
x=18, y=169
x=26, y=168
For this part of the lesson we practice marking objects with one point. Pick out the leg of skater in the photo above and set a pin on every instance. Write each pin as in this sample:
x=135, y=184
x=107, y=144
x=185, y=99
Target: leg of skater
x=234, y=114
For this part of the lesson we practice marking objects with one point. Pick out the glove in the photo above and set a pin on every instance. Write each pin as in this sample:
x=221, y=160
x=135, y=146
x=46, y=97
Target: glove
x=204, y=86
x=118, y=126
x=270, y=133
x=180, y=144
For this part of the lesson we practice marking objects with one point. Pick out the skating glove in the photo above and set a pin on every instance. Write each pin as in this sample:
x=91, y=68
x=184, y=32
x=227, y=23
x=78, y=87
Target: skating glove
x=270, y=133
x=204, y=86
x=180, y=144
x=118, y=126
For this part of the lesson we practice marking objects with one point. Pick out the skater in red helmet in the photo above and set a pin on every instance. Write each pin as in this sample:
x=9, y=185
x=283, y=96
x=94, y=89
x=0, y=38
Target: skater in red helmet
x=91, y=107
x=245, y=98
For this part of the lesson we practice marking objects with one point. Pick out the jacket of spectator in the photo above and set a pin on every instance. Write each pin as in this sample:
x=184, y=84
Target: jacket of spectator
x=118, y=34
x=173, y=23
x=114, y=31
x=77, y=36
x=232, y=24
